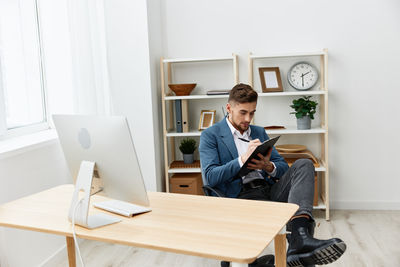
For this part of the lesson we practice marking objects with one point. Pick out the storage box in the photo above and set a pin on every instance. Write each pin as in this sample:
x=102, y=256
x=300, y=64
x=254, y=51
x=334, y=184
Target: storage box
x=186, y=183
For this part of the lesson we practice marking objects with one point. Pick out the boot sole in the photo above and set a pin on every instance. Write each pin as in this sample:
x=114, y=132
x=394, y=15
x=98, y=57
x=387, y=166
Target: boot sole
x=320, y=256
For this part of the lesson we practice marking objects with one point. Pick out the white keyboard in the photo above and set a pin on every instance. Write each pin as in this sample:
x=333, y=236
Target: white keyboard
x=121, y=207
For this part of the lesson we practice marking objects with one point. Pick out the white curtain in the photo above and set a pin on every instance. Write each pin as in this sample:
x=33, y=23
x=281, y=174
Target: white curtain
x=89, y=57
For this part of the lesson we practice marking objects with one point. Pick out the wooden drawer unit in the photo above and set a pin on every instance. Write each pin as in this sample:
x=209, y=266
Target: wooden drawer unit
x=186, y=183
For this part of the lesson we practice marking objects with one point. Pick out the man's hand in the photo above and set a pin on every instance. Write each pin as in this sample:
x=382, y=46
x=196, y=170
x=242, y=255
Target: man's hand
x=253, y=144
x=263, y=163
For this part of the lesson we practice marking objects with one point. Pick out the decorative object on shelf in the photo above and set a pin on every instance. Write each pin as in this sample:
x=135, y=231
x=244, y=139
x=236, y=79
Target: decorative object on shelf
x=182, y=89
x=304, y=111
x=274, y=127
x=187, y=147
x=290, y=148
x=207, y=119
x=270, y=79
x=179, y=164
x=302, y=76
x=218, y=92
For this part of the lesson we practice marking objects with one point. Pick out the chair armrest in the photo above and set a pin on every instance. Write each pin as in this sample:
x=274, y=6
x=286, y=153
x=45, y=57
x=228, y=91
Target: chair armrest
x=208, y=191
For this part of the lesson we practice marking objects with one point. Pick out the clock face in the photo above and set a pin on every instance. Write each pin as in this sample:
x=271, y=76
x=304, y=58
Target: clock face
x=303, y=76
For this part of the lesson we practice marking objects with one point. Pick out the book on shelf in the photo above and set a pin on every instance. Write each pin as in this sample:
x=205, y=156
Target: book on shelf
x=218, y=92
x=178, y=115
x=185, y=116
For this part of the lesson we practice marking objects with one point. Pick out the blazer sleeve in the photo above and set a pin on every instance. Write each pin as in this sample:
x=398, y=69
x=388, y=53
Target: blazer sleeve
x=213, y=170
x=280, y=163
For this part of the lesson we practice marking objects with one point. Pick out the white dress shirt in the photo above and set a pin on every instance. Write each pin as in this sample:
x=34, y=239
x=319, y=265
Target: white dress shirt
x=241, y=147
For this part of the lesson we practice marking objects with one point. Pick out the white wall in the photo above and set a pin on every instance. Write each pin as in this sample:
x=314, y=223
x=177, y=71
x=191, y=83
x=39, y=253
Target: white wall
x=363, y=39
x=21, y=174
x=131, y=79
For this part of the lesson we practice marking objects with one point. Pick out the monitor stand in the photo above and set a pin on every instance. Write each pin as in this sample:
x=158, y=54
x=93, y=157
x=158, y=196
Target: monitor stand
x=84, y=184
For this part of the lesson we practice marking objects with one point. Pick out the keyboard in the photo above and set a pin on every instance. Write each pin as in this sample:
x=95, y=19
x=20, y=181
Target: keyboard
x=121, y=207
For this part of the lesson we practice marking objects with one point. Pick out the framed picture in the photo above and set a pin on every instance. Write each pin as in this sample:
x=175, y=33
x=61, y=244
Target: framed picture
x=270, y=79
x=207, y=119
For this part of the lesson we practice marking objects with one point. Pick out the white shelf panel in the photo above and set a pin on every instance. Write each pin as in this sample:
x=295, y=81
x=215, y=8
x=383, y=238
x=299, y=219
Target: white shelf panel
x=319, y=92
x=195, y=97
x=320, y=168
x=181, y=60
x=321, y=204
x=299, y=54
x=290, y=130
x=293, y=130
x=191, y=133
x=298, y=93
x=184, y=170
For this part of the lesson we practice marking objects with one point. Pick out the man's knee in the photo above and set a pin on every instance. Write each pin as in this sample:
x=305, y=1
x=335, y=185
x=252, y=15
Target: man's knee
x=306, y=167
x=304, y=163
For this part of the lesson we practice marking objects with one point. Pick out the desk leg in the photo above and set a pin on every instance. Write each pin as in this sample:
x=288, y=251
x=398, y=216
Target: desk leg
x=71, y=251
x=280, y=248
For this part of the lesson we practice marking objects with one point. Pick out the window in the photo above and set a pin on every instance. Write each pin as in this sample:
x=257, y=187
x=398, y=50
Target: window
x=22, y=97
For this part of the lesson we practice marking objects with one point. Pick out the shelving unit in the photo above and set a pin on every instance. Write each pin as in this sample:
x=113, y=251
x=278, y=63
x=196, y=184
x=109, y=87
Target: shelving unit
x=318, y=132
x=168, y=99
x=320, y=91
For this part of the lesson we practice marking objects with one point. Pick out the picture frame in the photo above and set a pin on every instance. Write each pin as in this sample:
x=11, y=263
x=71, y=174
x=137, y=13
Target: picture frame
x=270, y=78
x=207, y=119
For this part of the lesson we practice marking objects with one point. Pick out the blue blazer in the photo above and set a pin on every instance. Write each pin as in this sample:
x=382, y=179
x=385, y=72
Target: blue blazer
x=219, y=158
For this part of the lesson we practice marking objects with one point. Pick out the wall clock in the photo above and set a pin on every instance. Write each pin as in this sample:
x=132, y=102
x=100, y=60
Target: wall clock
x=302, y=76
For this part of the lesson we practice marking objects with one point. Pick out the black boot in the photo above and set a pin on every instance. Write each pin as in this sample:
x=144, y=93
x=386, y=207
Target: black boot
x=263, y=261
x=304, y=250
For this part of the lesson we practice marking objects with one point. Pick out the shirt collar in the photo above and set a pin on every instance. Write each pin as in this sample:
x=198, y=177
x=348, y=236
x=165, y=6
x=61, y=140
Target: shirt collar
x=235, y=131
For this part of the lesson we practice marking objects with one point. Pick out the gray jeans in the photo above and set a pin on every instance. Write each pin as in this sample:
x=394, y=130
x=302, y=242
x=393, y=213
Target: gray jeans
x=295, y=186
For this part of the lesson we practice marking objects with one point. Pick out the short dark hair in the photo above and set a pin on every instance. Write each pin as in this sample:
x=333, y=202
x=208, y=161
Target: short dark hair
x=243, y=93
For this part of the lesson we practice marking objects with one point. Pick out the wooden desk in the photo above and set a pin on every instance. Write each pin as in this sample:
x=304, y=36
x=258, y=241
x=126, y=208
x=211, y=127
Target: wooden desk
x=220, y=228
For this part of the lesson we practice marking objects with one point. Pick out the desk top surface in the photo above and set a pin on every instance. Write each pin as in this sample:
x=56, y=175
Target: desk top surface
x=220, y=228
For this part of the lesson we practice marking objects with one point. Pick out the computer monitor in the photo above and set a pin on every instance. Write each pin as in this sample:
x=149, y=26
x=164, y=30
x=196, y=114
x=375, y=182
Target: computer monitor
x=107, y=142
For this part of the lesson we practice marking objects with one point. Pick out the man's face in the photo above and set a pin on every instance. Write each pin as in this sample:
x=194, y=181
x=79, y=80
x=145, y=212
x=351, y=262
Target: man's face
x=240, y=115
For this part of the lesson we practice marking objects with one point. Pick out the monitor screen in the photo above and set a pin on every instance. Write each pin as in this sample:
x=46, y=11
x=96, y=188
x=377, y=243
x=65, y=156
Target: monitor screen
x=107, y=141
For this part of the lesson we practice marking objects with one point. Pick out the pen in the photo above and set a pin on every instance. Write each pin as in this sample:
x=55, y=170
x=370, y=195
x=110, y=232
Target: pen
x=245, y=140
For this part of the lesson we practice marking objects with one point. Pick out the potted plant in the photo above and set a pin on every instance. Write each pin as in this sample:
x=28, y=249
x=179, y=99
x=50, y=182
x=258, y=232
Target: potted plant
x=187, y=147
x=304, y=110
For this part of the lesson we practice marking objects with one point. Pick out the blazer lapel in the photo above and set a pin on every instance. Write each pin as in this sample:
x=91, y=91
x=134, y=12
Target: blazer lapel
x=227, y=138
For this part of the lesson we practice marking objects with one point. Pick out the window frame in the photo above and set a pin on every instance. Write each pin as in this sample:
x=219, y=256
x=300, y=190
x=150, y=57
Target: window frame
x=6, y=132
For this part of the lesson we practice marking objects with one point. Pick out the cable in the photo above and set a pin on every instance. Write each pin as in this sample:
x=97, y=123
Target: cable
x=73, y=232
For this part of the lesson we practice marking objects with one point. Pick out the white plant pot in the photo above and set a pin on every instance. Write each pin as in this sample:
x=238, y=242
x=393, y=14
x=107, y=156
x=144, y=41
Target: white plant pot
x=304, y=123
x=188, y=158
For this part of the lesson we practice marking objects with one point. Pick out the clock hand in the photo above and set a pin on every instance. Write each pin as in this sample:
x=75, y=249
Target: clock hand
x=304, y=74
x=302, y=80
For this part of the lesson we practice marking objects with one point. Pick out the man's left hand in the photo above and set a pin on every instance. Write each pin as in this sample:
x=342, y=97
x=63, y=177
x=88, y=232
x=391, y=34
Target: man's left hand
x=263, y=163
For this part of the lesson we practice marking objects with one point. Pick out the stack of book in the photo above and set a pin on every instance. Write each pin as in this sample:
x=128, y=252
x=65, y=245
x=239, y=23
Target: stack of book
x=218, y=92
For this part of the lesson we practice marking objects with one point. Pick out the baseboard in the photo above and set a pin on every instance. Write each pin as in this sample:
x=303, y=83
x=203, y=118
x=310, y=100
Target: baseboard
x=365, y=205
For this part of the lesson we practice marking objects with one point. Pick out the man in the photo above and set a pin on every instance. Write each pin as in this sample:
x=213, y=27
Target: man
x=222, y=153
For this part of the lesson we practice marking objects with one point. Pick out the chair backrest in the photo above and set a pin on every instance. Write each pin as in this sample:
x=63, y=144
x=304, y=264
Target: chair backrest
x=208, y=190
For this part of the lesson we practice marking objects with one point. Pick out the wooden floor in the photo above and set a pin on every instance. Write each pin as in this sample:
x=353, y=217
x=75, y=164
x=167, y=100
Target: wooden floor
x=372, y=238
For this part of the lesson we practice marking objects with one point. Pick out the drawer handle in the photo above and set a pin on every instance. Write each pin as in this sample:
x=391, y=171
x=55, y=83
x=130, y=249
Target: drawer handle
x=183, y=185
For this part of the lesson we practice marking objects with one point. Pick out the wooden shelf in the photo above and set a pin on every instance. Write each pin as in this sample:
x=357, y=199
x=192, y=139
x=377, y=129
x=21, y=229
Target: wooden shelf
x=179, y=167
x=294, y=93
x=293, y=130
x=195, y=97
x=182, y=60
x=298, y=54
x=321, y=205
x=196, y=170
x=289, y=130
x=191, y=133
